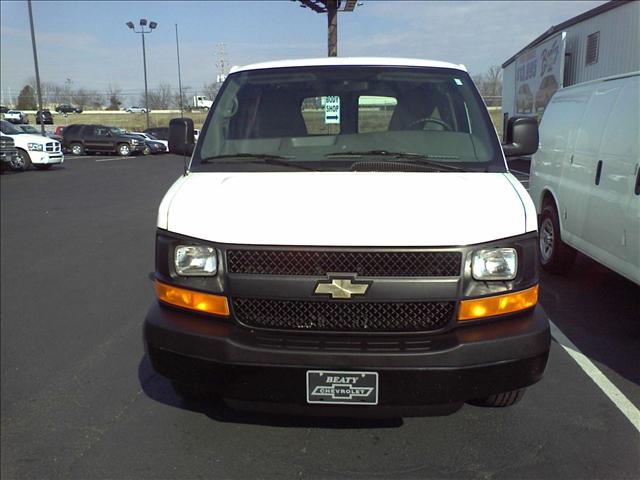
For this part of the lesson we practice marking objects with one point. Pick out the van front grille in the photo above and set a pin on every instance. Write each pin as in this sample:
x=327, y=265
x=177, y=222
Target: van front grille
x=343, y=316
x=364, y=263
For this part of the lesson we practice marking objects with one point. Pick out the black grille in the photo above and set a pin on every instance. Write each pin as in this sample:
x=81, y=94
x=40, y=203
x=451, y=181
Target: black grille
x=343, y=316
x=368, y=264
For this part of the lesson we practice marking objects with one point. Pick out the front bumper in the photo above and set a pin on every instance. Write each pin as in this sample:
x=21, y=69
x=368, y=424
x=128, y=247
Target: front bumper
x=46, y=158
x=269, y=368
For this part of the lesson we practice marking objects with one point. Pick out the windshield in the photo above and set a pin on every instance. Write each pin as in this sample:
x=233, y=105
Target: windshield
x=30, y=129
x=9, y=129
x=331, y=117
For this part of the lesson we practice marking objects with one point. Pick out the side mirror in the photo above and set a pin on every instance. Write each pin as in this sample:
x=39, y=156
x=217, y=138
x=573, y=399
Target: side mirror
x=181, y=140
x=522, y=137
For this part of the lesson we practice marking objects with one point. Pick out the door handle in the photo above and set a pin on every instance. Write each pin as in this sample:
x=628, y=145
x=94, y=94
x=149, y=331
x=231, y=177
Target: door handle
x=598, y=172
x=637, y=189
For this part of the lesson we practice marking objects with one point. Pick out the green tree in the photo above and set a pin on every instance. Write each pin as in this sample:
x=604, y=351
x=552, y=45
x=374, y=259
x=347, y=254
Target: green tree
x=27, y=99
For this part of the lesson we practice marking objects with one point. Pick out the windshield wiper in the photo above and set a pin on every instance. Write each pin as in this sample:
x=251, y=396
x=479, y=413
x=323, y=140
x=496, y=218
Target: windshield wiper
x=258, y=158
x=414, y=158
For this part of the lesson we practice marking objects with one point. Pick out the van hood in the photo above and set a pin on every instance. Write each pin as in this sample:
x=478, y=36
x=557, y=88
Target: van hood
x=344, y=208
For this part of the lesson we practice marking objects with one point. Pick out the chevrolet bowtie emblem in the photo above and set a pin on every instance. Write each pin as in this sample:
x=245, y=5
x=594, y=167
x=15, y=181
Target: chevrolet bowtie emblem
x=341, y=288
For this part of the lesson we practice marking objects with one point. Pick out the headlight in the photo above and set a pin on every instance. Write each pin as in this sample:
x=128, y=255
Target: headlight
x=195, y=260
x=495, y=264
x=35, y=147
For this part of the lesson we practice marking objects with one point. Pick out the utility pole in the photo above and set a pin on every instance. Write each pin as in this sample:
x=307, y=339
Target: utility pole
x=331, y=8
x=142, y=30
x=222, y=64
x=35, y=61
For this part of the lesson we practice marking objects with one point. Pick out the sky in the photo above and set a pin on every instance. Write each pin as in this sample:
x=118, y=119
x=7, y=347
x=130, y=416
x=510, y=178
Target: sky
x=89, y=43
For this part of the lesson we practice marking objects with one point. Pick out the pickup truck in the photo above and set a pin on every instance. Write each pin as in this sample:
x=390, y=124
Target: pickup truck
x=348, y=240
x=15, y=116
x=33, y=150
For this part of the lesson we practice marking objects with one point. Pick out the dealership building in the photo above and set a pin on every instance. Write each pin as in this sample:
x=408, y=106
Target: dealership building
x=599, y=43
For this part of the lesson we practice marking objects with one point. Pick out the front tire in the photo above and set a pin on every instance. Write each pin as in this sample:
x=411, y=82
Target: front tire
x=146, y=151
x=124, y=150
x=77, y=149
x=500, y=400
x=22, y=162
x=555, y=255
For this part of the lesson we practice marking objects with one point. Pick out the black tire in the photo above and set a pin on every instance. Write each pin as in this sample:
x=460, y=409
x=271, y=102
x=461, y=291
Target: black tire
x=76, y=149
x=555, y=255
x=43, y=167
x=146, y=151
x=124, y=150
x=22, y=162
x=500, y=400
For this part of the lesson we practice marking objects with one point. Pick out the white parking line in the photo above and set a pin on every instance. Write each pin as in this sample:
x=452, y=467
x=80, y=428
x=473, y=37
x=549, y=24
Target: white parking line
x=610, y=390
x=112, y=159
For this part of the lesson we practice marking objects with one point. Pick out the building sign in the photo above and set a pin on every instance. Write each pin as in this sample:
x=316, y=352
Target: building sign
x=331, y=109
x=539, y=73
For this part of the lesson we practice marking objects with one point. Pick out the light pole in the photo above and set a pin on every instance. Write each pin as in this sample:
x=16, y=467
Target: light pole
x=152, y=26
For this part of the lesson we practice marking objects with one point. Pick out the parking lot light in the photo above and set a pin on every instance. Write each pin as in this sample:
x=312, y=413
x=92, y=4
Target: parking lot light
x=152, y=26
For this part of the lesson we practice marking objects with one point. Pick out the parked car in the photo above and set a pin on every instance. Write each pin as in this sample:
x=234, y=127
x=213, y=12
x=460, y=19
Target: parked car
x=151, y=146
x=349, y=272
x=161, y=133
x=15, y=116
x=58, y=131
x=150, y=137
x=9, y=158
x=136, y=110
x=585, y=179
x=44, y=116
x=80, y=139
x=66, y=108
x=41, y=152
x=3, y=109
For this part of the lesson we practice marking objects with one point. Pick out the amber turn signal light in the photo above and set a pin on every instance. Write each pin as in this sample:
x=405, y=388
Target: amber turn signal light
x=498, y=305
x=192, y=300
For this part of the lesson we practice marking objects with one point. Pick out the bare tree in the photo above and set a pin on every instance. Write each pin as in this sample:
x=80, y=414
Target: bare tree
x=114, y=96
x=493, y=81
x=160, y=98
x=211, y=90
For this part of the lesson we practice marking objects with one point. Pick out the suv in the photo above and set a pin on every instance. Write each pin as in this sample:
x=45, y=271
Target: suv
x=44, y=116
x=65, y=108
x=79, y=139
x=348, y=240
x=136, y=110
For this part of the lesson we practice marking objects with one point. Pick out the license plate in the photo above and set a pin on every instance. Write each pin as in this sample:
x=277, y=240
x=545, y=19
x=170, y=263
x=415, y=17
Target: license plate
x=353, y=388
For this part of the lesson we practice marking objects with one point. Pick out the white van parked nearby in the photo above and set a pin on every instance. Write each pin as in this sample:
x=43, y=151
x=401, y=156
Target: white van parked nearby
x=585, y=177
x=348, y=240
x=36, y=150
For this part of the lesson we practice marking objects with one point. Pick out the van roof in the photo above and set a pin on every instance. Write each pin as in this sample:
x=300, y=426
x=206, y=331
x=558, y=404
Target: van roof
x=599, y=80
x=349, y=61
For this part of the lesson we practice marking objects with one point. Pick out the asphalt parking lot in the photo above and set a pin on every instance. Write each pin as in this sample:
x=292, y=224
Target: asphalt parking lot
x=79, y=399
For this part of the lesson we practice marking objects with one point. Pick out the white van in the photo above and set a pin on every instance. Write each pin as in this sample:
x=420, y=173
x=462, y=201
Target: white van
x=348, y=240
x=585, y=177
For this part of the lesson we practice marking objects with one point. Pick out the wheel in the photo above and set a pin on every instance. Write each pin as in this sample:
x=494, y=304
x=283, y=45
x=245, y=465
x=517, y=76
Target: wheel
x=146, y=150
x=124, y=149
x=499, y=400
x=77, y=149
x=191, y=392
x=43, y=167
x=21, y=162
x=555, y=255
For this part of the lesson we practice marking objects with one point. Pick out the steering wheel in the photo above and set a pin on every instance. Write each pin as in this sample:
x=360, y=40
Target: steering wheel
x=426, y=120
